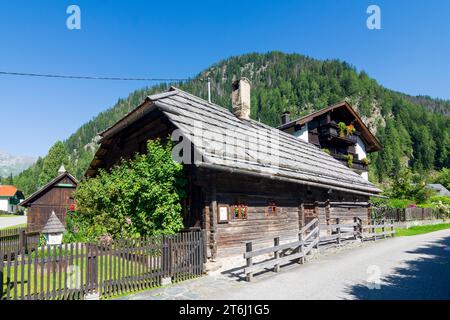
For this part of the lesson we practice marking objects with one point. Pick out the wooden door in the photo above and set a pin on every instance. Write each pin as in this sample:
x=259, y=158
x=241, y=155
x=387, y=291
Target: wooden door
x=310, y=212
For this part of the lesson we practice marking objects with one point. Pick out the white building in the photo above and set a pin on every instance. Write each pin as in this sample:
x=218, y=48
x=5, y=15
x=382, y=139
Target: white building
x=10, y=198
x=339, y=131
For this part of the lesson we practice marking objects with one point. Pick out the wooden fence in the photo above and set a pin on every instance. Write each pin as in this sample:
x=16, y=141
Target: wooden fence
x=309, y=237
x=377, y=229
x=13, y=240
x=72, y=271
x=407, y=214
x=283, y=253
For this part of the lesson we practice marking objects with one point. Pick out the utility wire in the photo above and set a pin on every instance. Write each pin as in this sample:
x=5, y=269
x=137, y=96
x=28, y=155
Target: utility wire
x=89, y=77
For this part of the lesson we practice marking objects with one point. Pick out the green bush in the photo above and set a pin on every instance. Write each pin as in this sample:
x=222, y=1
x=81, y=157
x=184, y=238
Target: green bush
x=138, y=197
x=342, y=128
x=444, y=178
x=349, y=160
x=443, y=199
x=392, y=203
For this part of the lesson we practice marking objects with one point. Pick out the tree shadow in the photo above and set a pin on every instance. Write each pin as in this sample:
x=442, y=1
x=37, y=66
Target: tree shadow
x=425, y=277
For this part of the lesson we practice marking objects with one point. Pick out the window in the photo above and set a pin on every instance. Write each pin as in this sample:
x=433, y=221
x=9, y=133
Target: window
x=223, y=214
x=272, y=208
x=240, y=212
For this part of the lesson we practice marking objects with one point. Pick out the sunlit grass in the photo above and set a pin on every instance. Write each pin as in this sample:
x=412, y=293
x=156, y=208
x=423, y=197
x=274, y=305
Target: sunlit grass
x=41, y=279
x=412, y=231
x=22, y=225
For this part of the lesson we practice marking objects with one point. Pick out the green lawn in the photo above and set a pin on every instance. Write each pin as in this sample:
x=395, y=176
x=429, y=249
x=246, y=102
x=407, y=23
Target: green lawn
x=412, y=231
x=111, y=268
x=23, y=225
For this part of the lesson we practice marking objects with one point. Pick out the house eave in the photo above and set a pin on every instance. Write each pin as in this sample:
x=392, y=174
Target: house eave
x=281, y=177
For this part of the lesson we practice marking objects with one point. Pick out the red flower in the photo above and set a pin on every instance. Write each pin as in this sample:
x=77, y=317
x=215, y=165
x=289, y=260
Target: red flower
x=72, y=207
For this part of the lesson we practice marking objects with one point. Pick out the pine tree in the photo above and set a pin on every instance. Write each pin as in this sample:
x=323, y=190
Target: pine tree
x=56, y=157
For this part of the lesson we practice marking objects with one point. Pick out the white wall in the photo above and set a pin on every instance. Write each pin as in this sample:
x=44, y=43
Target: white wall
x=365, y=175
x=302, y=133
x=360, y=149
x=4, y=205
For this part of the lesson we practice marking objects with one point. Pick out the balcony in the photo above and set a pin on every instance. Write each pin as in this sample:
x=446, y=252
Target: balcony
x=357, y=164
x=330, y=131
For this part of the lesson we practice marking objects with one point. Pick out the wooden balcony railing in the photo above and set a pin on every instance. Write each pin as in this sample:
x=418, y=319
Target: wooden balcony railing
x=356, y=164
x=331, y=131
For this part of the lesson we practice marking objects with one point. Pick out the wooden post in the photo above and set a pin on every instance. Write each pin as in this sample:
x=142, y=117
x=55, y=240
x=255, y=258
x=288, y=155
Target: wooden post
x=338, y=230
x=2, y=255
x=22, y=238
x=248, y=248
x=213, y=223
x=204, y=246
x=383, y=228
x=301, y=248
x=327, y=215
x=276, y=242
x=301, y=216
x=392, y=228
x=355, y=228
x=372, y=222
x=317, y=233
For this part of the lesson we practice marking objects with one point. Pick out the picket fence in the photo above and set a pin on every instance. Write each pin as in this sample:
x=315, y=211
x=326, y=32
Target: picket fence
x=76, y=270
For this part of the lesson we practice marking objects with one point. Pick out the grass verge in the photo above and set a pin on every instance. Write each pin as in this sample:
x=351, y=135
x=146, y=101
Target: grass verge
x=23, y=225
x=412, y=231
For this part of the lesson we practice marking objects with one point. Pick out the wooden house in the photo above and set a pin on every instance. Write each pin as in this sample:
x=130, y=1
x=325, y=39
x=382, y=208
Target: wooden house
x=339, y=130
x=10, y=198
x=55, y=196
x=247, y=181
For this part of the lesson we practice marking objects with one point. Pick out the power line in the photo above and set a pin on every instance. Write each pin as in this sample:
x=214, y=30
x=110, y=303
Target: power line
x=60, y=76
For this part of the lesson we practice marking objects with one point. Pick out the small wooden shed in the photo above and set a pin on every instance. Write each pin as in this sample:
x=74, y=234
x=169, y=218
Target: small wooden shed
x=55, y=196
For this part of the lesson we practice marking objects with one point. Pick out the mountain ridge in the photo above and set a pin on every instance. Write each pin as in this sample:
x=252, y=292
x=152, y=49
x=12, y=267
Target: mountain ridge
x=14, y=164
x=410, y=132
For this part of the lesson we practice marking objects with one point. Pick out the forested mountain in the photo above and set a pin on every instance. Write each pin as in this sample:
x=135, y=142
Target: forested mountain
x=413, y=130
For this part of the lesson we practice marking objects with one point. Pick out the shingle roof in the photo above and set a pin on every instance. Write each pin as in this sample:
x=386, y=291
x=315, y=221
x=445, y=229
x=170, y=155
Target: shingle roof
x=44, y=189
x=297, y=160
x=7, y=191
x=53, y=225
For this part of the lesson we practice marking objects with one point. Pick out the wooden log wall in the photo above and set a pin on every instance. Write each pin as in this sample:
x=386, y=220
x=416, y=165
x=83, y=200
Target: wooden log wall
x=296, y=205
x=57, y=199
x=134, y=139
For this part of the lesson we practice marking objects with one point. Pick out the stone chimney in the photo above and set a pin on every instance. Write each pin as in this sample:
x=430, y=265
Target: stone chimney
x=240, y=98
x=285, y=117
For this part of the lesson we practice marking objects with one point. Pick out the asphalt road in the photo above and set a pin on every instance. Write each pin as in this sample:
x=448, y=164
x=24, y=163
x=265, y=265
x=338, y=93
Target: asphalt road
x=416, y=267
x=12, y=221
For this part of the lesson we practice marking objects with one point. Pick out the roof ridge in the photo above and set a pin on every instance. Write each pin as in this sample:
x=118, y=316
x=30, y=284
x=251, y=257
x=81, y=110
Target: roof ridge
x=173, y=88
x=44, y=187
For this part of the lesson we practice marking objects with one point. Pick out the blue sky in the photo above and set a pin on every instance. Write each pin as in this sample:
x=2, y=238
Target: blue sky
x=180, y=38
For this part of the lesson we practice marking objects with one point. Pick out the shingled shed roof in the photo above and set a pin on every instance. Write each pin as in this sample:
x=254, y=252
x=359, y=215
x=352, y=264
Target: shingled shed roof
x=48, y=186
x=297, y=160
x=53, y=225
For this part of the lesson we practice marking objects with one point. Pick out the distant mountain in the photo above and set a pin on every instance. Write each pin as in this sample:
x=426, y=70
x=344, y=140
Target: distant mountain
x=14, y=164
